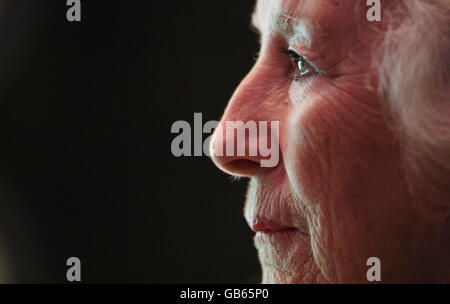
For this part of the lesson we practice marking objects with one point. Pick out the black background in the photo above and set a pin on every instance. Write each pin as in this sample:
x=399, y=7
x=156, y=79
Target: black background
x=86, y=168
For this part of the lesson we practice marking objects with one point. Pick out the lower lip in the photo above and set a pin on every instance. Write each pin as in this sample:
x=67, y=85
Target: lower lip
x=287, y=235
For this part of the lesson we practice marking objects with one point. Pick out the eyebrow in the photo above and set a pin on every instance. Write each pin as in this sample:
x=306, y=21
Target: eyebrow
x=282, y=23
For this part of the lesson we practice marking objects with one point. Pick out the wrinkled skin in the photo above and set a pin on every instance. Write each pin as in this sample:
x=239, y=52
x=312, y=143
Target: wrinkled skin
x=340, y=181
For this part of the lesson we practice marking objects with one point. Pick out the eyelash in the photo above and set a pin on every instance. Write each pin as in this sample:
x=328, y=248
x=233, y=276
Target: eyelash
x=298, y=60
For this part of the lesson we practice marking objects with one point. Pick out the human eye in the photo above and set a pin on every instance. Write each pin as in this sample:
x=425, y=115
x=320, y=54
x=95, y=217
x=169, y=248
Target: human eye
x=303, y=67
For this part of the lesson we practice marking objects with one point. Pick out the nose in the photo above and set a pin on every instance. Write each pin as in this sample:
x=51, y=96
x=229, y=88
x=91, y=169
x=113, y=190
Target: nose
x=248, y=129
x=231, y=154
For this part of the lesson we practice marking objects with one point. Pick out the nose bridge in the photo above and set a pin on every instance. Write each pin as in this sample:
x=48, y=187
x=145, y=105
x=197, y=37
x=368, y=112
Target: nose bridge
x=240, y=127
x=249, y=101
x=245, y=103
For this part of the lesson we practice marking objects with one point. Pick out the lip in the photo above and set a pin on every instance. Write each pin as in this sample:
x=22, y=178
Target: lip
x=270, y=213
x=271, y=231
x=285, y=238
x=268, y=226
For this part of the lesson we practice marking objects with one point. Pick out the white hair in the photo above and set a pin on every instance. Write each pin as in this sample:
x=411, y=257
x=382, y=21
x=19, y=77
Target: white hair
x=414, y=75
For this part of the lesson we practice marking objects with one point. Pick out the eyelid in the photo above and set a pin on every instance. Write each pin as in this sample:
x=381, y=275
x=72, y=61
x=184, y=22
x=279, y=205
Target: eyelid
x=293, y=54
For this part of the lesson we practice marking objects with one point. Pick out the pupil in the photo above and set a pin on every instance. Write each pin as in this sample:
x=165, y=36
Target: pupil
x=301, y=67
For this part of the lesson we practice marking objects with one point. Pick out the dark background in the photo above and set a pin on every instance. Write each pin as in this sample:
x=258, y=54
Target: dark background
x=86, y=168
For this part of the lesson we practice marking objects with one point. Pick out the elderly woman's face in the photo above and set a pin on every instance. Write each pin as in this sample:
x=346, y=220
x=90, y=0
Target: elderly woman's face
x=337, y=196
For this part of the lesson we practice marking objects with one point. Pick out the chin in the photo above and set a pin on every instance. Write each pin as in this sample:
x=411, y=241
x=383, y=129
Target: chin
x=271, y=276
x=288, y=265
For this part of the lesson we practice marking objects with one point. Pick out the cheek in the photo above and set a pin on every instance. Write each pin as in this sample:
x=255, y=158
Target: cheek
x=337, y=157
x=304, y=157
x=335, y=141
x=307, y=152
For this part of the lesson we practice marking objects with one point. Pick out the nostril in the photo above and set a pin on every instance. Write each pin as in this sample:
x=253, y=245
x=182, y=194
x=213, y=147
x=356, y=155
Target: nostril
x=239, y=167
x=243, y=167
x=233, y=165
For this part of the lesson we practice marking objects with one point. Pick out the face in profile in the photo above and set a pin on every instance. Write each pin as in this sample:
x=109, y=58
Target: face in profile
x=339, y=194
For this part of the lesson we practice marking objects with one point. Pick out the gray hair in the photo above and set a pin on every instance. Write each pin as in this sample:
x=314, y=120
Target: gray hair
x=414, y=76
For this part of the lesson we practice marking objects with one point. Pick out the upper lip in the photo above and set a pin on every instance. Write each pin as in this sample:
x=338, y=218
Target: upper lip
x=268, y=209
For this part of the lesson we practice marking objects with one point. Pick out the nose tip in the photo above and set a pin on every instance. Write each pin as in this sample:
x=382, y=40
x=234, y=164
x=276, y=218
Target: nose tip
x=242, y=149
x=233, y=164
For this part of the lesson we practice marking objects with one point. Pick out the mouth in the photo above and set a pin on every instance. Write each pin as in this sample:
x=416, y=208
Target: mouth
x=272, y=231
x=270, y=213
x=268, y=226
